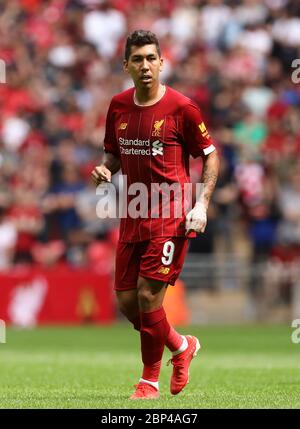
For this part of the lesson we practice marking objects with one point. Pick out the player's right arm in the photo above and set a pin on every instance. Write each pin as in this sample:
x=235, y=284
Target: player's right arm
x=111, y=161
x=103, y=172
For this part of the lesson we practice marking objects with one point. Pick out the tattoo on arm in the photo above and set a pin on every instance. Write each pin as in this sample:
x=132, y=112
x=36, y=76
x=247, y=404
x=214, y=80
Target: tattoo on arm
x=209, y=177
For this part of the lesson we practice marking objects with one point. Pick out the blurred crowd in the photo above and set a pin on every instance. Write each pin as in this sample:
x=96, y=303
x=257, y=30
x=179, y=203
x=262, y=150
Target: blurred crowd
x=64, y=63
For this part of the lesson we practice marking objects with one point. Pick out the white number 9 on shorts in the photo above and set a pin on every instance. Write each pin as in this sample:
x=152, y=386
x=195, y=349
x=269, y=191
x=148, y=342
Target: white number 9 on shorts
x=168, y=252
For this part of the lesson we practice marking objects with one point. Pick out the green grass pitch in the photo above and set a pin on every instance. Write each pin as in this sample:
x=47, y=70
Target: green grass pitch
x=96, y=367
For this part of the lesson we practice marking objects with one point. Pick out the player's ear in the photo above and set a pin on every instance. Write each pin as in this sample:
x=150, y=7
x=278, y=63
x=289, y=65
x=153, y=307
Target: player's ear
x=161, y=64
x=125, y=66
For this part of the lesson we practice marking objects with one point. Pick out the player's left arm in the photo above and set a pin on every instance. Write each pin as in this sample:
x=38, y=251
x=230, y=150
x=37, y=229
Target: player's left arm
x=196, y=219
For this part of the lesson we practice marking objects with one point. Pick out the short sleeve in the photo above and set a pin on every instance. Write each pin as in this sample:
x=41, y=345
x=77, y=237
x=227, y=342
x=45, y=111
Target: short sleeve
x=195, y=136
x=110, y=140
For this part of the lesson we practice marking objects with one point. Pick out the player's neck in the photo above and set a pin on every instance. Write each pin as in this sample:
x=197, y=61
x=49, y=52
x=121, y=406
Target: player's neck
x=147, y=97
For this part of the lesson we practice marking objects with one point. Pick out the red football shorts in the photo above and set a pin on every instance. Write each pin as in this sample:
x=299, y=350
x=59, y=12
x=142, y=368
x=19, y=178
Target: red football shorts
x=160, y=258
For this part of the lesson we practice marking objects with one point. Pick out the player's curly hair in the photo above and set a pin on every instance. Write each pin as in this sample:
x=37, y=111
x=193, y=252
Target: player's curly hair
x=141, y=38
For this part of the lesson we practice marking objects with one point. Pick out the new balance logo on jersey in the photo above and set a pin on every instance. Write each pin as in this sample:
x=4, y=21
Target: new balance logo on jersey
x=157, y=148
x=123, y=126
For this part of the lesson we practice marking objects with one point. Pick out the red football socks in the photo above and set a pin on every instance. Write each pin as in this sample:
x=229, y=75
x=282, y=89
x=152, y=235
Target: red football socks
x=154, y=331
x=173, y=340
x=151, y=372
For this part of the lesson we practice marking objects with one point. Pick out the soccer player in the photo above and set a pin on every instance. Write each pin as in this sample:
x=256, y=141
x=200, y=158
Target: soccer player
x=151, y=130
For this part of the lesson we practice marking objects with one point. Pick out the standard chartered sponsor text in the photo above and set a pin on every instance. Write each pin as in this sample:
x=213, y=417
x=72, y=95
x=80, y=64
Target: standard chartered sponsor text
x=134, y=151
x=133, y=142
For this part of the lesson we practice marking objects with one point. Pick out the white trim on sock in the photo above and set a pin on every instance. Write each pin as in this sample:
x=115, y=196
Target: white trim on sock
x=152, y=383
x=183, y=346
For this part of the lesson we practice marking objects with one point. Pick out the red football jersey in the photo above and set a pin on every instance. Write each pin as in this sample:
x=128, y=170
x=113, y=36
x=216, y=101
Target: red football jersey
x=154, y=144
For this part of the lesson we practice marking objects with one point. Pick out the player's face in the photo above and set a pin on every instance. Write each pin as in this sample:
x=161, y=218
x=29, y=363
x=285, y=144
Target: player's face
x=144, y=66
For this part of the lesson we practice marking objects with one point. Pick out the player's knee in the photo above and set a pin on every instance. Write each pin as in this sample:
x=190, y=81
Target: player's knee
x=145, y=296
x=150, y=294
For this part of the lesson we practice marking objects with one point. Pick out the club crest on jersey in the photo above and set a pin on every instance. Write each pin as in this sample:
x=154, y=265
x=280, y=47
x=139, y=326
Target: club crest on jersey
x=203, y=130
x=157, y=148
x=123, y=126
x=157, y=128
x=163, y=270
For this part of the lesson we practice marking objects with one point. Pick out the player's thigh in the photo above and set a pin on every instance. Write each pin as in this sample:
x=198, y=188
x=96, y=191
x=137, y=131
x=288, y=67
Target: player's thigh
x=127, y=266
x=163, y=259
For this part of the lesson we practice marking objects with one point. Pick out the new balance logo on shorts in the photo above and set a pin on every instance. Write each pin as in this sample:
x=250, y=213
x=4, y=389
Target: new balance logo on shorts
x=163, y=270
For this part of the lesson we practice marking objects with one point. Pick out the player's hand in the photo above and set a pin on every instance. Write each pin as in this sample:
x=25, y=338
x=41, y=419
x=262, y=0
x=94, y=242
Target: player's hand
x=196, y=219
x=101, y=174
